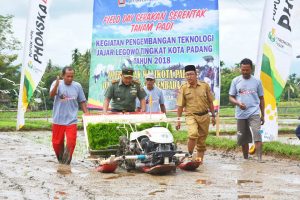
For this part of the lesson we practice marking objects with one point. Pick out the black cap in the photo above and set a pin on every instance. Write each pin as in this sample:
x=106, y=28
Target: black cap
x=189, y=68
x=127, y=72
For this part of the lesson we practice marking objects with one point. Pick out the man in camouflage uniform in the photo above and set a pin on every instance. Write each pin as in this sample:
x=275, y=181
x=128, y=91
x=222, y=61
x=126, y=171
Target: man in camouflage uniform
x=196, y=98
x=123, y=93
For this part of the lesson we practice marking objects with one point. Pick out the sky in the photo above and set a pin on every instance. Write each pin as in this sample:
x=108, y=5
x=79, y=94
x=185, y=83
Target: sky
x=70, y=27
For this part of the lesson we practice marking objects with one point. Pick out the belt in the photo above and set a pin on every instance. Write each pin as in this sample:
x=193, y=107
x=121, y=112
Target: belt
x=116, y=110
x=201, y=113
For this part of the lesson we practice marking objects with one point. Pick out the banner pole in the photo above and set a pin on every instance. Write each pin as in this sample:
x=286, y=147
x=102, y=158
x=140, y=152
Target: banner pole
x=218, y=125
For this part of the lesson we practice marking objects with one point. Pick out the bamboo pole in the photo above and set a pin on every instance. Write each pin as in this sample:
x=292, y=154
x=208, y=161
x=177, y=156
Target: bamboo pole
x=218, y=125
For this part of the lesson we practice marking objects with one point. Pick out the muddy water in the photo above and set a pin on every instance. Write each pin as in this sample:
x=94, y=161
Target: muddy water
x=29, y=170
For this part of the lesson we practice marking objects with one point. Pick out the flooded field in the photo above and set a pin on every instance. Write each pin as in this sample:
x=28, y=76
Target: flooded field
x=29, y=170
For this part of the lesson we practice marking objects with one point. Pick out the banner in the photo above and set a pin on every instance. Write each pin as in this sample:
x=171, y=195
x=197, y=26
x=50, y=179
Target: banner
x=157, y=36
x=34, y=59
x=274, y=59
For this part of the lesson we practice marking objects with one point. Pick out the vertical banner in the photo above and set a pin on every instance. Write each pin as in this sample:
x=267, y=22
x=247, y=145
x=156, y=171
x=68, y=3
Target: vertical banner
x=157, y=36
x=274, y=59
x=34, y=59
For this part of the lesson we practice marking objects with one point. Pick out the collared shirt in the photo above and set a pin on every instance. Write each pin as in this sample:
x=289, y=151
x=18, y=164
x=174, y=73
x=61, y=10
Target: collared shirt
x=123, y=96
x=195, y=99
x=248, y=92
x=157, y=98
x=65, y=104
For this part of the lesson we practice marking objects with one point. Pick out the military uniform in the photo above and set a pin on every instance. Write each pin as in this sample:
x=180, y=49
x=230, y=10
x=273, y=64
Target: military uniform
x=196, y=101
x=124, y=96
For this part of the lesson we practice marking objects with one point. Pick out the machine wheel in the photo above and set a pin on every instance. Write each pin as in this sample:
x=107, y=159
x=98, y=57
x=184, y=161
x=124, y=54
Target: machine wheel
x=125, y=150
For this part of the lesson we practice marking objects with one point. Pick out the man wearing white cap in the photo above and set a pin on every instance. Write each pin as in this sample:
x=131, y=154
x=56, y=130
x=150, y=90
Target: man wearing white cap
x=154, y=99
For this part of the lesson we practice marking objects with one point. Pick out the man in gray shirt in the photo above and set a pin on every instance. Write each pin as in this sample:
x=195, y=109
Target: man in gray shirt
x=155, y=101
x=67, y=94
x=247, y=94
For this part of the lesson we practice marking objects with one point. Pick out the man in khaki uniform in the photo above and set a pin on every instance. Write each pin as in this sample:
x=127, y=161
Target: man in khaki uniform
x=196, y=98
x=123, y=93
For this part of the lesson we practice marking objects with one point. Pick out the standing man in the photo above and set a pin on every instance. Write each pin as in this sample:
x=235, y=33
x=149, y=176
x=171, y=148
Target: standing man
x=123, y=93
x=155, y=99
x=246, y=93
x=67, y=94
x=196, y=98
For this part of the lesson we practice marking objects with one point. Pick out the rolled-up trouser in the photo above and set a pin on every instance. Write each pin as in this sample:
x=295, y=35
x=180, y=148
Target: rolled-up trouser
x=198, y=130
x=64, y=155
x=244, y=135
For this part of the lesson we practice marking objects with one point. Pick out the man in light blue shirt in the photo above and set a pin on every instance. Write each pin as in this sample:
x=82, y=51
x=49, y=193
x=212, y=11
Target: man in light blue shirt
x=247, y=94
x=67, y=95
x=154, y=100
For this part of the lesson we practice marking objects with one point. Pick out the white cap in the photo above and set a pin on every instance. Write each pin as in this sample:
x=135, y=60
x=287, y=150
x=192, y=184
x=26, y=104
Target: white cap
x=150, y=76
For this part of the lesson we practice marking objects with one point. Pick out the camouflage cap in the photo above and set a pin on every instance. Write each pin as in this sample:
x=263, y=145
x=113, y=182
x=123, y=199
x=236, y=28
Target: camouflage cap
x=127, y=72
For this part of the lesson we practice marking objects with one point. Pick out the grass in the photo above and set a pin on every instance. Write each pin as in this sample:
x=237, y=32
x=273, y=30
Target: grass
x=284, y=110
x=212, y=141
x=28, y=115
x=9, y=125
x=30, y=125
x=227, y=112
x=269, y=148
x=286, y=150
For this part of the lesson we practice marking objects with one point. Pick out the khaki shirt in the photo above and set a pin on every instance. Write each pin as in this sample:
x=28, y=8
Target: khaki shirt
x=124, y=96
x=195, y=99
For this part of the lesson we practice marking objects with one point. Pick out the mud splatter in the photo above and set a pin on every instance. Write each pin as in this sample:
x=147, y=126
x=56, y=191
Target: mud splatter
x=156, y=191
x=203, y=182
x=119, y=176
x=248, y=196
x=240, y=182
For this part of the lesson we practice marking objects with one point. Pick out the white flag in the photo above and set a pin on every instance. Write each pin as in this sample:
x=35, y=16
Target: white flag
x=34, y=60
x=274, y=59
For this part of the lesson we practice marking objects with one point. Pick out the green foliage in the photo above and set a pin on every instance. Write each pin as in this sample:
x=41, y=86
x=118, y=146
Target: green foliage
x=227, y=74
x=51, y=72
x=81, y=63
x=103, y=135
x=7, y=40
x=9, y=73
x=291, y=90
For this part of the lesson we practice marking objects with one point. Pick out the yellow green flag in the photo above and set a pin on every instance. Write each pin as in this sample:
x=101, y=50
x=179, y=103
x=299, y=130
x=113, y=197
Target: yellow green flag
x=274, y=59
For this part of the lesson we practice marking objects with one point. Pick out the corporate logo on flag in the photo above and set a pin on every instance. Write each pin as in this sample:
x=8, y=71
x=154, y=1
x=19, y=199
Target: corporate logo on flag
x=280, y=43
x=272, y=35
x=32, y=67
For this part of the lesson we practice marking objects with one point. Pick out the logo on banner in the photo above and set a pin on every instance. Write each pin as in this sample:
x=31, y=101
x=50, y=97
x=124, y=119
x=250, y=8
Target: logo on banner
x=121, y=3
x=272, y=35
x=280, y=43
x=32, y=67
